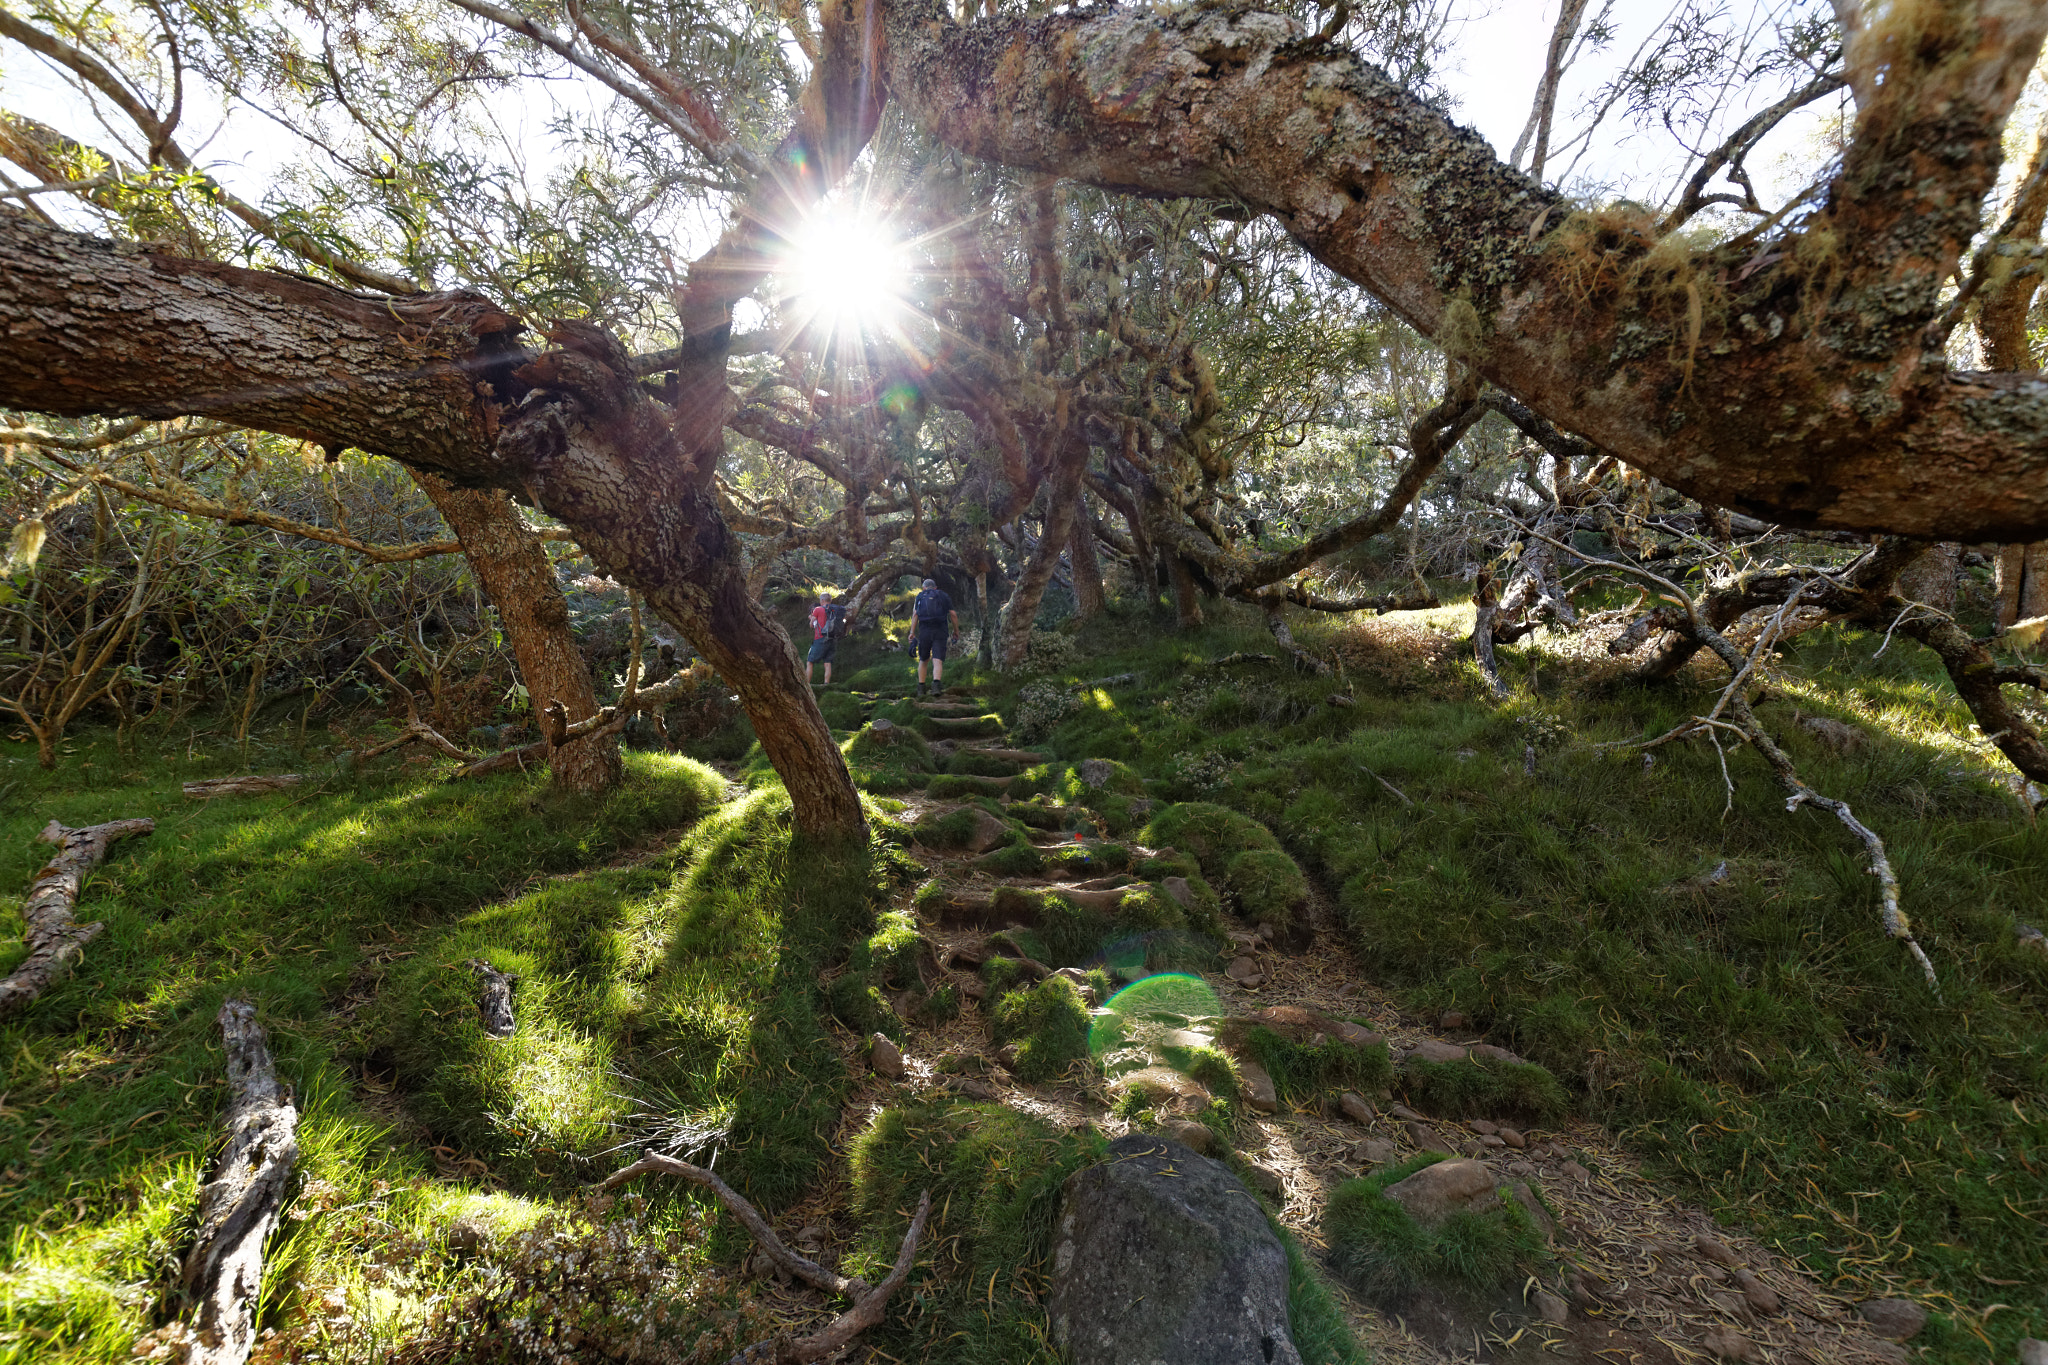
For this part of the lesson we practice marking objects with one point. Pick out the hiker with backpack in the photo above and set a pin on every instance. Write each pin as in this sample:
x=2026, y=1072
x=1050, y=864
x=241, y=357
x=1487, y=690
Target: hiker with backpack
x=828, y=623
x=936, y=624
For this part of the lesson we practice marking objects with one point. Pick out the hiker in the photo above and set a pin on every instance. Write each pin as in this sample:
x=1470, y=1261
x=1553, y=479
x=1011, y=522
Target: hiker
x=937, y=622
x=828, y=623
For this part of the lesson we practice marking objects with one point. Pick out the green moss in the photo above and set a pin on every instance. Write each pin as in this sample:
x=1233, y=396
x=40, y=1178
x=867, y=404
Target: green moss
x=1376, y=1246
x=1267, y=886
x=941, y=1005
x=1048, y=1023
x=1302, y=1072
x=974, y=763
x=1484, y=1089
x=841, y=709
x=1089, y=858
x=1017, y=860
x=950, y=788
x=1213, y=834
x=994, y=1176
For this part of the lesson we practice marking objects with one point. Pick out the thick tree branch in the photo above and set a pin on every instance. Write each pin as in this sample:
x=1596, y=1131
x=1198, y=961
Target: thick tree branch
x=55, y=940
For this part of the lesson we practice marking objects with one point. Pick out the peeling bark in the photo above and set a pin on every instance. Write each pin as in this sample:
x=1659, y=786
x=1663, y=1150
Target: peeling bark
x=494, y=999
x=56, y=940
x=1089, y=598
x=1808, y=396
x=211, y=787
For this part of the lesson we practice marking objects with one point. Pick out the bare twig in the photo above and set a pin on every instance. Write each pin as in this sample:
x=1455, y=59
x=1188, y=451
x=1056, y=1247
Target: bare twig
x=55, y=940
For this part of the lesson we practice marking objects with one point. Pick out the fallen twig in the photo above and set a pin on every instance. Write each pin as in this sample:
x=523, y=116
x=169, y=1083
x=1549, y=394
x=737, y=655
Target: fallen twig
x=55, y=940
x=494, y=1000
x=208, y=788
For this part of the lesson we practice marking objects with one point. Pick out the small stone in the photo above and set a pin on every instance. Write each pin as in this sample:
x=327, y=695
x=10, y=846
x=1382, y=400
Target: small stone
x=1265, y=929
x=1357, y=1035
x=1006, y=1056
x=1193, y=1136
x=1715, y=1250
x=1521, y=1168
x=2033, y=1352
x=884, y=1058
x=1182, y=893
x=1241, y=969
x=1899, y=1319
x=1082, y=984
x=1433, y=1050
x=1402, y=1111
x=1472, y=1147
x=1356, y=1108
x=1436, y=1192
x=1513, y=1139
x=1762, y=1299
x=1258, y=1087
x=1489, y=1140
x=1551, y=1309
x=1375, y=1152
x=881, y=725
x=1266, y=1182
x=974, y=988
x=1484, y=1127
x=1095, y=771
x=1725, y=1343
x=1494, y=1054
x=2031, y=939
x=1427, y=1139
x=968, y=1086
x=1451, y=1019
x=813, y=1235
x=1574, y=1171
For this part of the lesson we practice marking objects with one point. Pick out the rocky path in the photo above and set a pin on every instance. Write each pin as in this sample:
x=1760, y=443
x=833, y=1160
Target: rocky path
x=1643, y=1276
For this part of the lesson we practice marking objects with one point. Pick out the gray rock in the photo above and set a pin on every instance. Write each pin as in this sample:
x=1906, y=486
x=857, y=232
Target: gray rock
x=1402, y=1111
x=1434, y=1050
x=1375, y=1151
x=2031, y=938
x=1258, y=1087
x=1182, y=1268
x=1182, y=893
x=1899, y=1319
x=1427, y=1138
x=1551, y=1309
x=1513, y=1139
x=884, y=1058
x=1241, y=969
x=2033, y=1352
x=1761, y=1298
x=1725, y=1343
x=1265, y=1181
x=1193, y=1136
x=1451, y=1019
x=1493, y=1054
x=1715, y=1250
x=1436, y=1192
x=1484, y=1127
x=987, y=833
x=1355, y=1107
x=1572, y=1170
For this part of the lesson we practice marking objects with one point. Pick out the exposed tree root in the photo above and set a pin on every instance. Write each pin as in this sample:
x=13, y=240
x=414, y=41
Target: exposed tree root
x=239, y=1206
x=211, y=787
x=869, y=1300
x=55, y=940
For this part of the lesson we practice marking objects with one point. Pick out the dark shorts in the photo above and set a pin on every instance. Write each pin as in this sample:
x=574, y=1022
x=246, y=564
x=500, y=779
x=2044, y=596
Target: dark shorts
x=822, y=650
x=932, y=641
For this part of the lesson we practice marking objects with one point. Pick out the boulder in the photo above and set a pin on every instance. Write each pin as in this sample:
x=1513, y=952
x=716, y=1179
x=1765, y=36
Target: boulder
x=1427, y=1138
x=1182, y=893
x=1355, y=1107
x=1375, y=1152
x=987, y=833
x=1899, y=1319
x=1436, y=1192
x=1434, y=1050
x=1258, y=1087
x=1162, y=1255
x=1193, y=1136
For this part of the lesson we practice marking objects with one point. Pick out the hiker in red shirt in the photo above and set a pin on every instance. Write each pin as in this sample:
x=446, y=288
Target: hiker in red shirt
x=827, y=625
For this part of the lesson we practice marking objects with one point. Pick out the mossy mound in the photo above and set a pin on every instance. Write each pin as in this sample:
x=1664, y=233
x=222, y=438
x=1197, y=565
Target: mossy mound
x=889, y=758
x=1237, y=853
x=842, y=710
x=1483, y=1088
x=1305, y=1071
x=1266, y=886
x=952, y=788
x=974, y=763
x=1048, y=1023
x=1387, y=1255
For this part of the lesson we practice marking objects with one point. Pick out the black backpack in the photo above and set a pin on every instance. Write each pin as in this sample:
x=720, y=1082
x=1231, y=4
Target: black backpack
x=835, y=622
x=927, y=608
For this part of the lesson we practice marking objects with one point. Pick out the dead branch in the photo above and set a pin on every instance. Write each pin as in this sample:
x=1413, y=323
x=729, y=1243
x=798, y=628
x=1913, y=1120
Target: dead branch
x=239, y=1206
x=1487, y=604
x=1276, y=626
x=494, y=1000
x=54, y=939
x=252, y=785
x=855, y=1320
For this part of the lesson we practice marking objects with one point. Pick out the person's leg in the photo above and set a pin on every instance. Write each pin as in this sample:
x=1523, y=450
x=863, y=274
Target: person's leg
x=828, y=672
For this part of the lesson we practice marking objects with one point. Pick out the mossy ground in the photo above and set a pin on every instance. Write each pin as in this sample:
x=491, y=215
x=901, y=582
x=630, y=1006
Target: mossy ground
x=679, y=968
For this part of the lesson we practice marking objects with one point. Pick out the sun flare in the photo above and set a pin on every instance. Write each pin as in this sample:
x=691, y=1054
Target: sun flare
x=845, y=272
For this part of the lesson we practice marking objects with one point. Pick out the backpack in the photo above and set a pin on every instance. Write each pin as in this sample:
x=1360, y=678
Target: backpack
x=835, y=622
x=927, y=608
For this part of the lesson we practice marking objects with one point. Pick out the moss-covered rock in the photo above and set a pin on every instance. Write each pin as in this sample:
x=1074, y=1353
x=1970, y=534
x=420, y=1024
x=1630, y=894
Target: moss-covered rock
x=1048, y=1023
x=1480, y=1250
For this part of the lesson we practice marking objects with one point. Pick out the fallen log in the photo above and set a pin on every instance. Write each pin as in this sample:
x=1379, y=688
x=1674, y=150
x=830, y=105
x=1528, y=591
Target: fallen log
x=55, y=940
x=238, y=1207
x=869, y=1300
x=252, y=785
x=494, y=1000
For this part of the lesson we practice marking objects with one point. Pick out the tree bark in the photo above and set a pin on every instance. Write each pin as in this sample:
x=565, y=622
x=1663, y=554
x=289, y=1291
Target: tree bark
x=1791, y=380
x=1187, y=598
x=1062, y=496
x=56, y=940
x=441, y=383
x=511, y=563
x=1089, y=599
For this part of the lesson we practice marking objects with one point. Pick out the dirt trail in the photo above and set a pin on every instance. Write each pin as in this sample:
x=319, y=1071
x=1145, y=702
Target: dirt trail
x=1638, y=1283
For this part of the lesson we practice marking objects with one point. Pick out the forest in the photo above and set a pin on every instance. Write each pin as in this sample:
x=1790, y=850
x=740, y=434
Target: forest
x=1216, y=681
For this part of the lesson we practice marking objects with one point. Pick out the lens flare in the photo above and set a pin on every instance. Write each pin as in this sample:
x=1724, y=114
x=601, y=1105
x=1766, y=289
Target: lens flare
x=845, y=273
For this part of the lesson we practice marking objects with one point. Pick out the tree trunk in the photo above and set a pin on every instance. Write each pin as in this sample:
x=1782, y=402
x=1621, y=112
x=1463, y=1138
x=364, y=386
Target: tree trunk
x=1062, y=497
x=1089, y=600
x=1187, y=597
x=439, y=382
x=512, y=565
